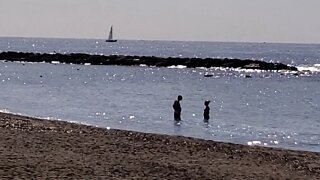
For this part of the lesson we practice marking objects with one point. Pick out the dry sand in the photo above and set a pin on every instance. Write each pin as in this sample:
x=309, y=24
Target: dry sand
x=40, y=149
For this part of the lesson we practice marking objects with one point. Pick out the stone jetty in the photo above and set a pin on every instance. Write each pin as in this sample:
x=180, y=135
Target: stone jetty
x=81, y=58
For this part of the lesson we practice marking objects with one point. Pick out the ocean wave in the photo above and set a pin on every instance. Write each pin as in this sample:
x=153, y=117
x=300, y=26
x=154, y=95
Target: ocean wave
x=310, y=68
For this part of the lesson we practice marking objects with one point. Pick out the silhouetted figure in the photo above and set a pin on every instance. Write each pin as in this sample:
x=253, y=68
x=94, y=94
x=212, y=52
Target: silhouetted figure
x=177, y=108
x=206, y=111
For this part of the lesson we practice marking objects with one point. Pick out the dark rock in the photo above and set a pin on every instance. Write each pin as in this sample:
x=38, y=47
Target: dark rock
x=80, y=58
x=208, y=75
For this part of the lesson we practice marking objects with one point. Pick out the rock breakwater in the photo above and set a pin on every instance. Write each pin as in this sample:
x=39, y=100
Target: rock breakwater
x=81, y=58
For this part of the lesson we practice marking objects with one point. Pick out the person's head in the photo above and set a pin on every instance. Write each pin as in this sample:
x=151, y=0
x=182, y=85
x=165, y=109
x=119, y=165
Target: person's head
x=179, y=98
x=206, y=103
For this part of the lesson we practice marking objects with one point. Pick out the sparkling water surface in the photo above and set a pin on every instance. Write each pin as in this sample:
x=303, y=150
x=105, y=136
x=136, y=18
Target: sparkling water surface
x=277, y=109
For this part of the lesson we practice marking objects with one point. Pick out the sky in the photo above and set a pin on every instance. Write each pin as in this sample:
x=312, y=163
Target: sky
x=285, y=21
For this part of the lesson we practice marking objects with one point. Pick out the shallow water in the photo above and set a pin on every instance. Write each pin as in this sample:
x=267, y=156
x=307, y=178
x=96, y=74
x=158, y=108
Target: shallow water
x=279, y=109
x=271, y=109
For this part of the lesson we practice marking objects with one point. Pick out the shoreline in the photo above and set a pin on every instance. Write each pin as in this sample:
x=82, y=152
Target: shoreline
x=123, y=60
x=38, y=148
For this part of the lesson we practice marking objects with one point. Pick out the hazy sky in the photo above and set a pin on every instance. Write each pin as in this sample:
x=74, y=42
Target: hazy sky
x=190, y=20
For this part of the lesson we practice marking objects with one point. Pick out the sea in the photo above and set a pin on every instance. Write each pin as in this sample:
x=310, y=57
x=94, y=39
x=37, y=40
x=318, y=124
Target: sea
x=260, y=108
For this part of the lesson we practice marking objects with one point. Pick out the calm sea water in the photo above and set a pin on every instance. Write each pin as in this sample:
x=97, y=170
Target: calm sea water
x=278, y=109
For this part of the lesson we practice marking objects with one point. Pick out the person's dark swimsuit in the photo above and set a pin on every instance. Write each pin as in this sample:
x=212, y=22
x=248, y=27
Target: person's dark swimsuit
x=177, y=110
x=206, y=113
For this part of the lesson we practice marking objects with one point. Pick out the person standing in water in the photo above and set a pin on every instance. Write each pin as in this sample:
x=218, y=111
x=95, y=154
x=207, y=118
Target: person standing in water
x=177, y=108
x=206, y=111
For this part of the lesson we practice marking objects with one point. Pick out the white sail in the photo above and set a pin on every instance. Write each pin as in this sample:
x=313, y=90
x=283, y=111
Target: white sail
x=110, y=34
x=110, y=38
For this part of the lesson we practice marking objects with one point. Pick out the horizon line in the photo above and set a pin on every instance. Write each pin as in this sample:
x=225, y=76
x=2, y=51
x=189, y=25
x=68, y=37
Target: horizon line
x=205, y=41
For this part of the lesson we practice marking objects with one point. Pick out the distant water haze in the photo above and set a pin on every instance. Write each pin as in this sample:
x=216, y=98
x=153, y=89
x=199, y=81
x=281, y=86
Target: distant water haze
x=293, y=21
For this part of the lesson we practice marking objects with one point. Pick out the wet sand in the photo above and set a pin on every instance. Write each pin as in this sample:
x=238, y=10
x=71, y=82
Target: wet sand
x=40, y=149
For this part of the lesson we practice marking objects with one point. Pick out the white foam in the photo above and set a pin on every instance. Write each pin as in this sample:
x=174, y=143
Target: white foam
x=202, y=68
x=78, y=122
x=55, y=62
x=254, y=143
x=5, y=111
x=307, y=68
x=177, y=67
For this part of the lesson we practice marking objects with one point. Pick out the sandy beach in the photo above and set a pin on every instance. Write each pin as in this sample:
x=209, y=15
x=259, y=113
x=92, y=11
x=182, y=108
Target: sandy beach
x=40, y=149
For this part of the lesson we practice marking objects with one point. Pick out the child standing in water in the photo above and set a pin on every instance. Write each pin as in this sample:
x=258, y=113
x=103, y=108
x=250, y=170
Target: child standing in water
x=206, y=111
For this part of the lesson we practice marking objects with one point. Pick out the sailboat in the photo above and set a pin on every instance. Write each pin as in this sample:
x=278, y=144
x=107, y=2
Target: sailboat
x=110, y=38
